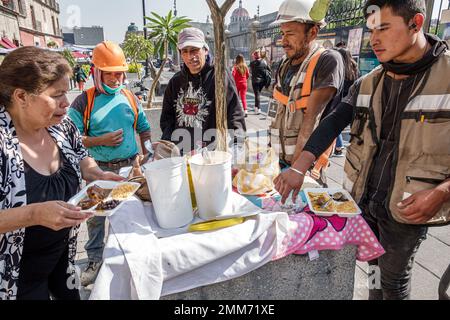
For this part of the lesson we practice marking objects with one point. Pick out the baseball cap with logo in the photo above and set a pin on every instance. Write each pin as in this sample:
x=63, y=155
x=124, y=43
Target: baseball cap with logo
x=191, y=37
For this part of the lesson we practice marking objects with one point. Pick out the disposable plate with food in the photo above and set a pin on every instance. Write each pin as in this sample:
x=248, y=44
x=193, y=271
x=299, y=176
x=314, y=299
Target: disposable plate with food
x=102, y=197
x=331, y=201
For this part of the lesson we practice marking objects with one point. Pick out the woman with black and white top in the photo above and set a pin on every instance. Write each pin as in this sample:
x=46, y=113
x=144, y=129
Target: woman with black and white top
x=42, y=162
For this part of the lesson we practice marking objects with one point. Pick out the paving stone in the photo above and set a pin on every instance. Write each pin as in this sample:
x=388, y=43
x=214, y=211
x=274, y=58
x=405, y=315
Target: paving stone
x=434, y=256
x=441, y=233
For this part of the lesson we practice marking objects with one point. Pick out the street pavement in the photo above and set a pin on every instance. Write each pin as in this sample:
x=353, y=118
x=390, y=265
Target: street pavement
x=432, y=258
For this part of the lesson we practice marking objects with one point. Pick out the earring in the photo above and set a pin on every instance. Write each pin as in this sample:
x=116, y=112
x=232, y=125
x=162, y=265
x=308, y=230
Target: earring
x=413, y=26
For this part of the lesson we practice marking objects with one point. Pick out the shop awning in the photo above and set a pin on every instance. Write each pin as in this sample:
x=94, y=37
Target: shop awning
x=79, y=55
x=7, y=44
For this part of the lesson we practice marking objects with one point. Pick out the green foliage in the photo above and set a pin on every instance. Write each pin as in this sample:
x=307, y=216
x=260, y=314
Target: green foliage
x=164, y=31
x=68, y=55
x=52, y=44
x=86, y=68
x=134, y=67
x=136, y=47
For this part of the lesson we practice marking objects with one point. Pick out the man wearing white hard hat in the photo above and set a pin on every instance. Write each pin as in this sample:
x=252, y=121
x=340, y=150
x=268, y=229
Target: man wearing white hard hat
x=308, y=79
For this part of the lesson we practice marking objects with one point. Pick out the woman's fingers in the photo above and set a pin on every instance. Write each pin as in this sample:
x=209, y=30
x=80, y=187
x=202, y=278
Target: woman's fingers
x=68, y=206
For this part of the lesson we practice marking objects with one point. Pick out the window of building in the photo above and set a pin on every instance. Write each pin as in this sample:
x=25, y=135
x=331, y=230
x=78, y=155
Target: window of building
x=54, y=26
x=43, y=15
x=21, y=7
x=33, y=18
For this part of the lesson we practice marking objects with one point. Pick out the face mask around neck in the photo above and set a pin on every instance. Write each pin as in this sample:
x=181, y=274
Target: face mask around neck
x=110, y=90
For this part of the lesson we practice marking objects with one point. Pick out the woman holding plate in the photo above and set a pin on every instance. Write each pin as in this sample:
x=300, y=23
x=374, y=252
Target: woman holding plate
x=42, y=164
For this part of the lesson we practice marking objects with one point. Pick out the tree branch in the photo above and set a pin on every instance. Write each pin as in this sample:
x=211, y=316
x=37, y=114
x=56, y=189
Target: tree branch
x=226, y=6
x=218, y=17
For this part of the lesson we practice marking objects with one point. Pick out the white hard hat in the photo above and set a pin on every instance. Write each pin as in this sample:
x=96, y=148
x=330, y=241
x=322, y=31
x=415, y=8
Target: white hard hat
x=304, y=11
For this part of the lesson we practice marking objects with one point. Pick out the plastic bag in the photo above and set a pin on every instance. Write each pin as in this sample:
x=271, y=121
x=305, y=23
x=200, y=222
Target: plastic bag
x=257, y=165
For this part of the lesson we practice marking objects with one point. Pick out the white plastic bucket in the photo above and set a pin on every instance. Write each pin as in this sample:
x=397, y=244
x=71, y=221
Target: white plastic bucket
x=169, y=188
x=212, y=184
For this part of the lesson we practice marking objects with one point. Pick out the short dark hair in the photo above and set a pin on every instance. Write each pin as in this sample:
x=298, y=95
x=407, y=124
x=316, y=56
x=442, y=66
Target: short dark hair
x=406, y=9
x=31, y=69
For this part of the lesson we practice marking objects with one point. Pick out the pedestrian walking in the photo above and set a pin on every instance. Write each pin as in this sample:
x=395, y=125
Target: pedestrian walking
x=241, y=74
x=80, y=77
x=260, y=72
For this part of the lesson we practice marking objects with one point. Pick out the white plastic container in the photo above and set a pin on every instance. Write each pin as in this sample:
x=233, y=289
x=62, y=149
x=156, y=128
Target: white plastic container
x=169, y=188
x=212, y=184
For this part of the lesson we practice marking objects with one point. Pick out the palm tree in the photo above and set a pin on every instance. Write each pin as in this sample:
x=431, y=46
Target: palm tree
x=164, y=32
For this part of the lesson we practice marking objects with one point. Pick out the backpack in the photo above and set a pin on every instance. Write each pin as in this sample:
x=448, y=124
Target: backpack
x=90, y=93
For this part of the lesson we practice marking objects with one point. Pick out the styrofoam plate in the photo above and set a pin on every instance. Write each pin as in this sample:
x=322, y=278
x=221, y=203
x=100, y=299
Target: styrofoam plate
x=330, y=192
x=105, y=185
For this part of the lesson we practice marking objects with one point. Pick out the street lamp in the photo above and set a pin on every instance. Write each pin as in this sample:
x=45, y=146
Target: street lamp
x=145, y=37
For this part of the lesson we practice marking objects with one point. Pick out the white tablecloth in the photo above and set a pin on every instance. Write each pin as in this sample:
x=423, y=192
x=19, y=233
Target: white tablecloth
x=139, y=265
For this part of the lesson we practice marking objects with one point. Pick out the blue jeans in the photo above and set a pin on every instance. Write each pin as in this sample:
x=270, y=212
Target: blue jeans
x=339, y=141
x=95, y=245
x=96, y=232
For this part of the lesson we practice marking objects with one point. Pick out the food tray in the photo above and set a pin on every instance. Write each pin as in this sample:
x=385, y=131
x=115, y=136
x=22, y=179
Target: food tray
x=330, y=192
x=105, y=185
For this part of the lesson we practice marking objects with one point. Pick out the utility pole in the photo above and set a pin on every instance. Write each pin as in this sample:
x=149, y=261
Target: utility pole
x=145, y=37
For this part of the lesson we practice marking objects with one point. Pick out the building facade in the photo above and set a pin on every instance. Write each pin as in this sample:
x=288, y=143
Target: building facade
x=39, y=26
x=88, y=36
x=9, y=25
x=30, y=23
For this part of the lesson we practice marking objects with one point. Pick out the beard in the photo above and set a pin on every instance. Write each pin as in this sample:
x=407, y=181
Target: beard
x=301, y=52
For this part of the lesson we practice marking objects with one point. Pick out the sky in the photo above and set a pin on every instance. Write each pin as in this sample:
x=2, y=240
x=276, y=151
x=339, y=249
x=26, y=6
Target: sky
x=116, y=15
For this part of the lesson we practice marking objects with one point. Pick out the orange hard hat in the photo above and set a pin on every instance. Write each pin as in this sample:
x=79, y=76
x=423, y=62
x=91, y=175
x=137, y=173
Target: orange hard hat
x=108, y=56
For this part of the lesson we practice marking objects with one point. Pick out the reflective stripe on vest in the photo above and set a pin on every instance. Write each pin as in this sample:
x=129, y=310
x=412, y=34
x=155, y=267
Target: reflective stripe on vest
x=363, y=100
x=430, y=103
x=90, y=93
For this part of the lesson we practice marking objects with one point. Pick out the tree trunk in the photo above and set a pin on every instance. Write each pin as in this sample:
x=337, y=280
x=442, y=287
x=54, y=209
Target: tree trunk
x=218, y=17
x=155, y=82
x=152, y=69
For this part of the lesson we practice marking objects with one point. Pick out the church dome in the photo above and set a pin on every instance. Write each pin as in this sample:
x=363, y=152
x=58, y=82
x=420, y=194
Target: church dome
x=132, y=27
x=240, y=14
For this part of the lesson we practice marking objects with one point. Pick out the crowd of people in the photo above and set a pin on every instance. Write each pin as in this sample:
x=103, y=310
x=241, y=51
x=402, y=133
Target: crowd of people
x=397, y=162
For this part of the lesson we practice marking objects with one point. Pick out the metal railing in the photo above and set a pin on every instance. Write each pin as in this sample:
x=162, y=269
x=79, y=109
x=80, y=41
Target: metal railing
x=345, y=13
